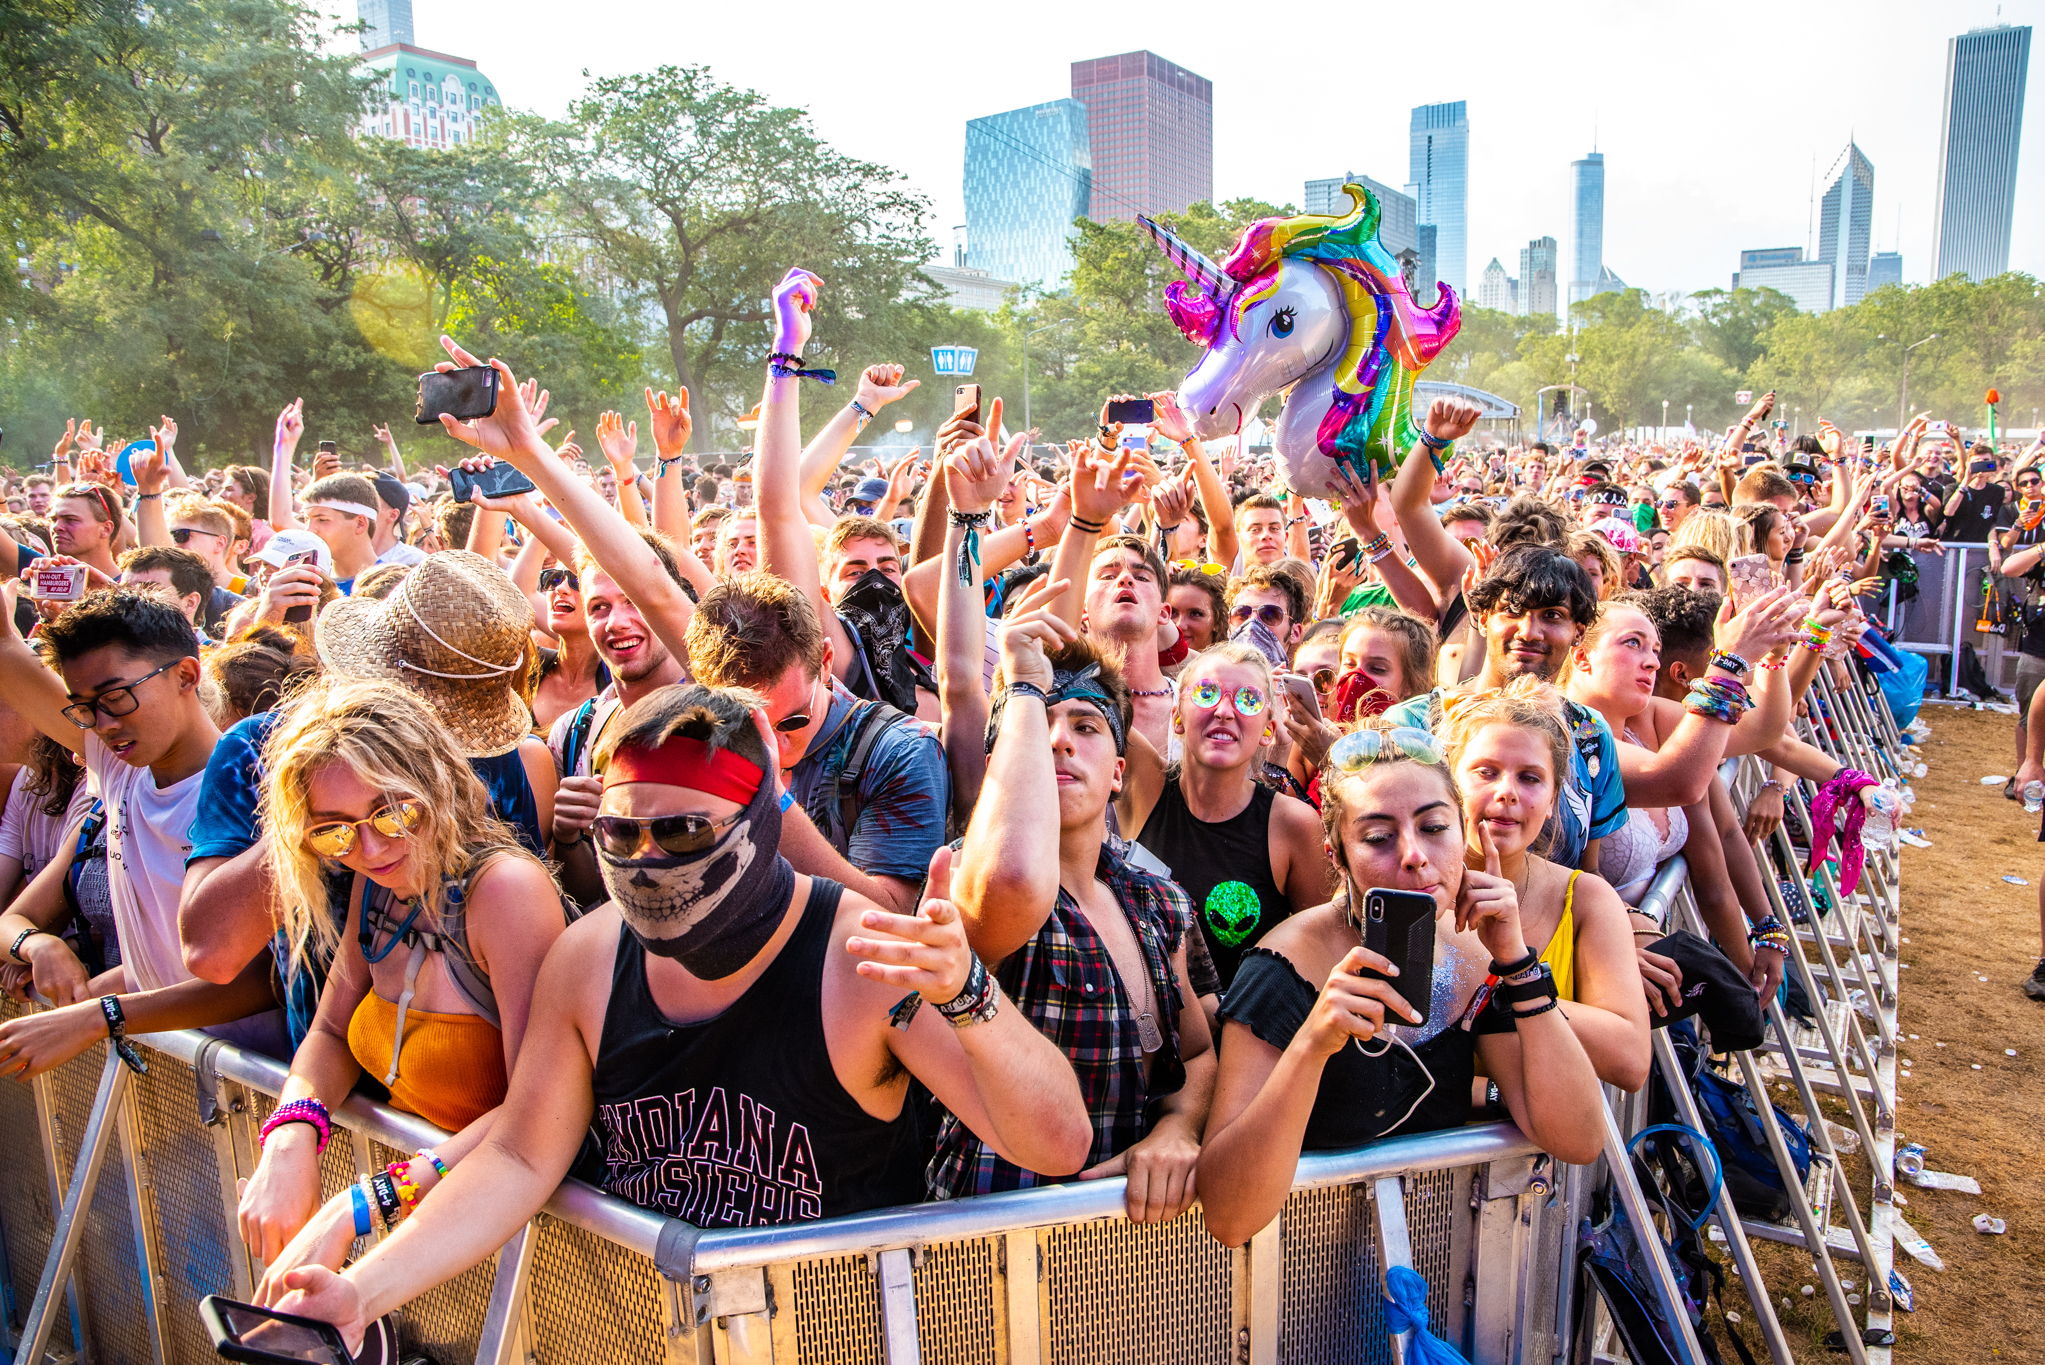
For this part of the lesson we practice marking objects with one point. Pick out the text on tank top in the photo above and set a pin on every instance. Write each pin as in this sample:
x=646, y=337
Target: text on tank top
x=1224, y=867
x=740, y=1120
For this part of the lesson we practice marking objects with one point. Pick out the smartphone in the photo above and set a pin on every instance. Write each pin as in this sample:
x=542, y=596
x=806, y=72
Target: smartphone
x=1880, y=506
x=1399, y=925
x=56, y=582
x=330, y=448
x=498, y=481
x=1941, y=426
x=1299, y=691
x=242, y=1331
x=1136, y=411
x=1750, y=576
x=1867, y=443
x=467, y=393
x=1345, y=553
x=300, y=615
x=965, y=402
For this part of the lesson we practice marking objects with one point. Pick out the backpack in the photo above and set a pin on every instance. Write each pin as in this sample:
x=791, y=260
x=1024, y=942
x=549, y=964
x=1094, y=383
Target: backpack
x=573, y=743
x=863, y=728
x=1736, y=1134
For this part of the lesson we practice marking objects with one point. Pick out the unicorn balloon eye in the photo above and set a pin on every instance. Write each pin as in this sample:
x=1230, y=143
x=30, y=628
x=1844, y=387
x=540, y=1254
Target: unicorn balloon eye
x=1344, y=337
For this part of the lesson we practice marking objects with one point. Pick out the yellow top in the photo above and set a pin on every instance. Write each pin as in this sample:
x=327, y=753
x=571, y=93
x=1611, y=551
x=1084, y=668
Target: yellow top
x=452, y=1065
x=1560, y=954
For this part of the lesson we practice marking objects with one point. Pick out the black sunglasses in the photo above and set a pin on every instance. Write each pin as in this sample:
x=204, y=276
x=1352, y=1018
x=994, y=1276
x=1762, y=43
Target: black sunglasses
x=551, y=579
x=184, y=533
x=620, y=835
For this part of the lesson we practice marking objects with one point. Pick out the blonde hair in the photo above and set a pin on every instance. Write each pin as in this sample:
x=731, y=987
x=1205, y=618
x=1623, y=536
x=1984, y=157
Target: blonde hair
x=1713, y=530
x=1335, y=803
x=1229, y=654
x=1524, y=703
x=395, y=745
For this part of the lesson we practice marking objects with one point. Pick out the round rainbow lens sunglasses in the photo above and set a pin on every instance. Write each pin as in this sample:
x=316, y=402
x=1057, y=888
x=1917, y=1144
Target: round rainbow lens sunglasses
x=1207, y=695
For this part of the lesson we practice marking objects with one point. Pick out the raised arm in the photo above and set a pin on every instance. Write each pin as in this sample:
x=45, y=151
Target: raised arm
x=973, y=477
x=879, y=385
x=390, y=443
x=1441, y=557
x=1170, y=422
x=151, y=469
x=35, y=693
x=290, y=426
x=1101, y=486
x=619, y=441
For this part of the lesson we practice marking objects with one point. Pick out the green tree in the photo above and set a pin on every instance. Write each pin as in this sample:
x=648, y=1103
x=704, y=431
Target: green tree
x=1732, y=324
x=1623, y=348
x=701, y=195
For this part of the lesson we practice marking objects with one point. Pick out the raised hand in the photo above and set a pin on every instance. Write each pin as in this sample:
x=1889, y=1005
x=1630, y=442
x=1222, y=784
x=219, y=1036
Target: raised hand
x=536, y=400
x=166, y=437
x=1033, y=632
x=1762, y=407
x=382, y=433
x=668, y=420
x=63, y=447
x=794, y=300
x=1450, y=419
x=1172, y=501
x=974, y=475
x=925, y=952
x=902, y=478
x=1359, y=503
x=1774, y=618
x=93, y=440
x=1488, y=903
x=1169, y=420
x=512, y=431
x=880, y=385
x=1102, y=484
x=152, y=467
x=619, y=441
x=290, y=425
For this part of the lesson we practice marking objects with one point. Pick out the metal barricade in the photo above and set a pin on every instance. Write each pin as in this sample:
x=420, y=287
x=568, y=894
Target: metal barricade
x=1051, y=1275
x=1941, y=617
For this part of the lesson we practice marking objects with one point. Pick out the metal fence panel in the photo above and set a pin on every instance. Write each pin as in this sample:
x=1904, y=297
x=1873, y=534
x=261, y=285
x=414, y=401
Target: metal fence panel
x=1104, y=1281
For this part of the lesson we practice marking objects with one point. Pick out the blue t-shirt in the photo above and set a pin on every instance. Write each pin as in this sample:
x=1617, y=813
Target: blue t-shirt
x=1592, y=802
x=902, y=797
x=227, y=826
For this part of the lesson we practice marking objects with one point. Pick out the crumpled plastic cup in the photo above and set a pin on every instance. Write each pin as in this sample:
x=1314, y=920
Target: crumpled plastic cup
x=1994, y=1227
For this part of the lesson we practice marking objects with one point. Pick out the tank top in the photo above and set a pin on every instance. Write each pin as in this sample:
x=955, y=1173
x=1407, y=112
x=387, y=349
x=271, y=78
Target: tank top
x=1560, y=953
x=739, y=1121
x=1224, y=868
x=453, y=1070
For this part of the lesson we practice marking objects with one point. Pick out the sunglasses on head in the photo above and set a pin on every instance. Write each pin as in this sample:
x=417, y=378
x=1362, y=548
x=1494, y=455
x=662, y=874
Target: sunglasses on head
x=394, y=821
x=1207, y=695
x=550, y=579
x=1359, y=749
x=1271, y=614
x=620, y=836
x=1211, y=570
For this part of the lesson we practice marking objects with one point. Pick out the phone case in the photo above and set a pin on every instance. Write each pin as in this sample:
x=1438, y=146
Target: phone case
x=465, y=394
x=213, y=1314
x=1400, y=926
x=1750, y=576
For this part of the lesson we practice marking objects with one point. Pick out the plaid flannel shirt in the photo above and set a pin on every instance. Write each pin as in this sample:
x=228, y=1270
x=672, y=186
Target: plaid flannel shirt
x=1064, y=982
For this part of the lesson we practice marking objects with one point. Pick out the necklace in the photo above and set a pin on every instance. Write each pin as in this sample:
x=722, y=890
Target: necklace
x=1164, y=691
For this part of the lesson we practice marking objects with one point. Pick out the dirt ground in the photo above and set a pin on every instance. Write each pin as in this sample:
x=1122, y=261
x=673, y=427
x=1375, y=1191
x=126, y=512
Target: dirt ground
x=1978, y=1111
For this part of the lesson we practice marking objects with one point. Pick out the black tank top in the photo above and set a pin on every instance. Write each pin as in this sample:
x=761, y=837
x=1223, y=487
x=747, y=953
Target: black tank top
x=739, y=1121
x=1224, y=869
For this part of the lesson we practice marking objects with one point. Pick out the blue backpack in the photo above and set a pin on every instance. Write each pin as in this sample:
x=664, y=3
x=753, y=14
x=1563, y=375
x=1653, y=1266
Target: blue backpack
x=1736, y=1133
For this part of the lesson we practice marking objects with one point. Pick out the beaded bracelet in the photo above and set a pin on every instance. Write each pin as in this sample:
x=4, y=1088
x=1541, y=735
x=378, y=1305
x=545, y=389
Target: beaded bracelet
x=407, y=1188
x=1772, y=665
x=307, y=1110
x=428, y=1154
x=1817, y=635
x=1029, y=537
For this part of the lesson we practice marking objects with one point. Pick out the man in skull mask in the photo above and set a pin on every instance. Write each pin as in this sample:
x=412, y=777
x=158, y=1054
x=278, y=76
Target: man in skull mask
x=784, y=1096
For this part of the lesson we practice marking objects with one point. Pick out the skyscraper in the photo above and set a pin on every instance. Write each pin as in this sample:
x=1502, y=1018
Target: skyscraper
x=1883, y=268
x=1398, y=215
x=1028, y=175
x=388, y=21
x=1977, y=155
x=1152, y=129
x=1587, y=204
x=1498, y=290
x=1808, y=284
x=1537, y=278
x=1845, y=221
x=1438, y=178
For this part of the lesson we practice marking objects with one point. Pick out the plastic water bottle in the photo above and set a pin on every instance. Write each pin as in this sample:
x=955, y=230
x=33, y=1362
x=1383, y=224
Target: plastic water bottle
x=2034, y=797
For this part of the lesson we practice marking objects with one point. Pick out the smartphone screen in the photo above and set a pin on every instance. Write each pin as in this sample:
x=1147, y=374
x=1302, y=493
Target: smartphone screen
x=252, y=1333
x=1136, y=411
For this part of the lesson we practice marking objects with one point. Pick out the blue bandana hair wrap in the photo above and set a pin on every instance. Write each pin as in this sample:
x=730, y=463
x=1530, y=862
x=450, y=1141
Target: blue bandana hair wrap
x=1068, y=685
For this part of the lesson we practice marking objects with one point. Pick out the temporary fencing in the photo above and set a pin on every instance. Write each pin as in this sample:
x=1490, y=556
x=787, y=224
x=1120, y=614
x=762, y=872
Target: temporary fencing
x=119, y=1211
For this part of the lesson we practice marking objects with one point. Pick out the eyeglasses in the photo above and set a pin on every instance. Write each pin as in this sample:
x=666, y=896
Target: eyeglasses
x=185, y=533
x=113, y=703
x=1322, y=679
x=789, y=725
x=550, y=579
x=1207, y=695
x=1359, y=749
x=1211, y=570
x=395, y=821
x=1271, y=614
x=620, y=836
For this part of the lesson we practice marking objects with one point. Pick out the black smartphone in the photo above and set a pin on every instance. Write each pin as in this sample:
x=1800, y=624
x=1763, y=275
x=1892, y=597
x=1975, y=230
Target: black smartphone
x=458, y=393
x=966, y=402
x=300, y=615
x=1136, y=411
x=1345, y=553
x=242, y=1331
x=1400, y=925
x=330, y=448
x=498, y=481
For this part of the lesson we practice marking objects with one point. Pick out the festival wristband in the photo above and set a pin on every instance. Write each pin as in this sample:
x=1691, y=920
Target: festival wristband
x=117, y=1033
x=975, y=1004
x=385, y=1191
x=14, y=948
x=1729, y=661
x=361, y=1202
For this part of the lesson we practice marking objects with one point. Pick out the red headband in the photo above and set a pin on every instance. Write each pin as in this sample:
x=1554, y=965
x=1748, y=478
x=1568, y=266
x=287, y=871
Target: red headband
x=691, y=763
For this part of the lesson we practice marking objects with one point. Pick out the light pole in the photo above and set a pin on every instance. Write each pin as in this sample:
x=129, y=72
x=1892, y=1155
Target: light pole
x=1665, y=422
x=1903, y=401
x=1687, y=428
x=1026, y=366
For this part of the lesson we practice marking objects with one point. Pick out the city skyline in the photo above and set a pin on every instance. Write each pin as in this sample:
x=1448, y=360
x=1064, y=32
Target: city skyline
x=1684, y=194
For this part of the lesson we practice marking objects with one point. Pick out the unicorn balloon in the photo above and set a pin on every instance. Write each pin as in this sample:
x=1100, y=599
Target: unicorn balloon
x=1313, y=307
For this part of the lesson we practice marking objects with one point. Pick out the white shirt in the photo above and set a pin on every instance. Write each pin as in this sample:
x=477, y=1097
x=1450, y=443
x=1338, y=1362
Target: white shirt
x=28, y=834
x=607, y=707
x=148, y=836
x=401, y=553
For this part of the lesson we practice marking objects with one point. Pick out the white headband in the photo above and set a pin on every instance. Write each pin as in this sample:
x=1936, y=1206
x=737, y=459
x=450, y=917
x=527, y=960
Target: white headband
x=353, y=509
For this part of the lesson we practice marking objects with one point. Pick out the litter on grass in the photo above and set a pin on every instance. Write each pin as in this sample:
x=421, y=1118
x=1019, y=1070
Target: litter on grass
x=1945, y=1180
x=1900, y=1291
x=1993, y=1227
x=1908, y=1239
x=1993, y=778
x=2014, y=880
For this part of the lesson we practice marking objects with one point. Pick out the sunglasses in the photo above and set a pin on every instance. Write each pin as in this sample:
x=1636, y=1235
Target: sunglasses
x=1359, y=749
x=1207, y=695
x=113, y=703
x=550, y=579
x=1211, y=570
x=1322, y=679
x=1271, y=614
x=620, y=836
x=395, y=821
x=184, y=533
x=800, y=721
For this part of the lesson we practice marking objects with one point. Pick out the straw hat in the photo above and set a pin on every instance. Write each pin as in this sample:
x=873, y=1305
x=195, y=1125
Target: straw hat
x=454, y=634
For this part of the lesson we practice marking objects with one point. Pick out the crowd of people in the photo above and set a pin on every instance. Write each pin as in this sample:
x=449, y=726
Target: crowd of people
x=622, y=827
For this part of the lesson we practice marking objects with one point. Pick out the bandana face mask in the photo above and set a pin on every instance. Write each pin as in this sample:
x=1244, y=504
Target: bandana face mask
x=714, y=910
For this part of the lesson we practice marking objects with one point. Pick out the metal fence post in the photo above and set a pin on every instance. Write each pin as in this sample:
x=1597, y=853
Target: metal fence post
x=502, y=1322
x=1023, y=1273
x=1648, y=1240
x=1266, y=1263
x=70, y=1229
x=898, y=1308
x=142, y=1212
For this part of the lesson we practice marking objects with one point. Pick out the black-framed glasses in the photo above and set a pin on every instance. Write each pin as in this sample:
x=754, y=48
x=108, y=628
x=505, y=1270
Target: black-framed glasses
x=621, y=835
x=550, y=579
x=113, y=703
x=1270, y=613
x=184, y=533
x=338, y=838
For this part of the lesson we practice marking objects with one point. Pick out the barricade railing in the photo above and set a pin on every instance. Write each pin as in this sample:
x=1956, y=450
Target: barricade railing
x=1941, y=616
x=129, y=1219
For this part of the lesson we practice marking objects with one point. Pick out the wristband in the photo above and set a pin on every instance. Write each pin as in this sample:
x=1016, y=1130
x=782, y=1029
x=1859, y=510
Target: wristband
x=117, y=1033
x=1771, y=782
x=975, y=1004
x=385, y=1191
x=14, y=948
x=428, y=1154
x=361, y=1202
x=1092, y=528
x=1729, y=661
x=306, y=1110
x=1516, y=968
x=1027, y=689
x=1793, y=557
x=783, y=365
x=144, y=497
x=863, y=418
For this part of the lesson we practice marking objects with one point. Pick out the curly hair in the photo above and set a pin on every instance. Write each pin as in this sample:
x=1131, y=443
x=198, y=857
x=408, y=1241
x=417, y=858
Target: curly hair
x=1529, y=520
x=1529, y=577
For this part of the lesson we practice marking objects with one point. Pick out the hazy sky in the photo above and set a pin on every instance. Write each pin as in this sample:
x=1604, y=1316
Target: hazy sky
x=1709, y=116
